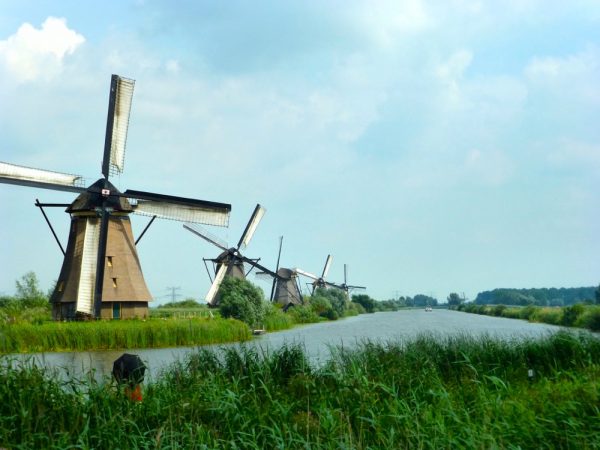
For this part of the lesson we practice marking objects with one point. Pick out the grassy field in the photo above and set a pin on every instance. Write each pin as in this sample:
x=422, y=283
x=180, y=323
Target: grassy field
x=426, y=394
x=118, y=334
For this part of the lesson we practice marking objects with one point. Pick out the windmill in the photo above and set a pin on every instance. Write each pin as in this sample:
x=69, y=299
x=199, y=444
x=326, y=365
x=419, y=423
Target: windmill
x=101, y=276
x=230, y=262
x=285, y=290
x=319, y=281
x=346, y=287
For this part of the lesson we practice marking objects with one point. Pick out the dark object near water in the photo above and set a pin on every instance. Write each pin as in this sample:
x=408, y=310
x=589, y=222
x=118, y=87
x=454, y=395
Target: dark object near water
x=129, y=368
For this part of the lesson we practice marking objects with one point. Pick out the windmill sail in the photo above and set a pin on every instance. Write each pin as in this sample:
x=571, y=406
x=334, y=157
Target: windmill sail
x=89, y=256
x=46, y=179
x=179, y=208
x=216, y=284
x=117, y=124
x=255, y=219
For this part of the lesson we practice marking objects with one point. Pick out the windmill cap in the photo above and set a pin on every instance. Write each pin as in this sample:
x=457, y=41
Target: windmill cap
x=93, y=198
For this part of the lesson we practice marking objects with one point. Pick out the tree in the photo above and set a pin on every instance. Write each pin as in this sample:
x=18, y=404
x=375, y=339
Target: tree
x=598, y=295
x=241, y=300
x=454, y=299
x=29, y=292
x=367, y=302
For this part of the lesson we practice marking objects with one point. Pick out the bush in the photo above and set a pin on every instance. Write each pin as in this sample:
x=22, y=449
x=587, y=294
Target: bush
x=553, y=316
x=303, y=314
x=241, y=300
x=571, y=314
x=320, y=305
x=589, y=319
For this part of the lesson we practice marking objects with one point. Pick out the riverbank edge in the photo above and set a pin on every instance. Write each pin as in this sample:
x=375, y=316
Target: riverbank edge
x=575, y=316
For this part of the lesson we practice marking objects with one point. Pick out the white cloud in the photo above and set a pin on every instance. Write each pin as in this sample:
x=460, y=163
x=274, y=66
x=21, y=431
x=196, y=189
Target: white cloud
x=384, y=21
x=573, y=74
x=33, y=53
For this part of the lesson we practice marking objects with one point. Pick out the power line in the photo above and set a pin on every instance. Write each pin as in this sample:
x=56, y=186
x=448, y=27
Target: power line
x=173, y=293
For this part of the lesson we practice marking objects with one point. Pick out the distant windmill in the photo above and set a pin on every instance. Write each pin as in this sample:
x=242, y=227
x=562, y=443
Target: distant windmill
x=101, y=276
x=285, y=290
x=319, y=281
x=346, y=287
x=230, y=262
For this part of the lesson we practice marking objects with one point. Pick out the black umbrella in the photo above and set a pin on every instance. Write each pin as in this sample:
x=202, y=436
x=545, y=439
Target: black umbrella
x=129, y=368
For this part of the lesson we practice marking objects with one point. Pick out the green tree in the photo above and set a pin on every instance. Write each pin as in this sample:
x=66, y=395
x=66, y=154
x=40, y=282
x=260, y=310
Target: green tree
x=454, y=299
x=597, y=293
x=29, y=292
x=241, y=300
x=365, y=301
x=336, y=297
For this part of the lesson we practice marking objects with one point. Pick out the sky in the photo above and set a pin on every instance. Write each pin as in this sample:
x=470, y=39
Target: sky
x=432, y=146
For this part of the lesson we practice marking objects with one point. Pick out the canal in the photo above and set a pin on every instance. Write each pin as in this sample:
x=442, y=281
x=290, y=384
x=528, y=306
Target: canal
x=317, y=339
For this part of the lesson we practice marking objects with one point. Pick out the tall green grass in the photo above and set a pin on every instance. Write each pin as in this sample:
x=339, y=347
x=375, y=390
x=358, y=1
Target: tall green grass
x=578, y=315
x=430, y=393
x=104, y=335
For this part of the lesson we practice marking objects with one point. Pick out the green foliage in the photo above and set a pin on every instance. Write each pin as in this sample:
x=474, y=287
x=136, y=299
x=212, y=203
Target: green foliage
x=276, y=319
x=241, y=300
x=571, y=314
x=428, y=393
x=303, y=313
x=597, y=295
x=187, y=303
x=454, y=299
x=29, y=292
x=365, y=301
x=539, y=297
x=119, y=334
x=337, y=299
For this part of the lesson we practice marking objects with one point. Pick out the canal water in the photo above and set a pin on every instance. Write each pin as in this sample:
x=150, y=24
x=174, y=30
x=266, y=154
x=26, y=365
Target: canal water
x=317, y=339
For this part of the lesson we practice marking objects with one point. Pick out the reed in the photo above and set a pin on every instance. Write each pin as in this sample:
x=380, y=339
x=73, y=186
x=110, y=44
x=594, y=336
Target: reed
x=429, y=393
x=104, y=335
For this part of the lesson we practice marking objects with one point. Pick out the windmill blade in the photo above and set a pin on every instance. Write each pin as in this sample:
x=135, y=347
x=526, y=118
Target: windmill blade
x=306, y=274
x=117, y=123
x=327, y=265
x=356, y=287
x=276, y=269
x=255, y=219
x=199, y=231
x=216, y=284
x=45, y=179
x=345, y=275
x=264, y=276
x=179, y=208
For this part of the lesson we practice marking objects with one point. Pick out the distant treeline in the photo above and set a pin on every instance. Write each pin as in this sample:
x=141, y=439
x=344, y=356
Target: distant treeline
x=540, y=296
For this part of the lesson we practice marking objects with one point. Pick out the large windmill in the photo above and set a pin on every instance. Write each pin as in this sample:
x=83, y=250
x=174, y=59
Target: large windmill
x=231, y=261
x=101, y=276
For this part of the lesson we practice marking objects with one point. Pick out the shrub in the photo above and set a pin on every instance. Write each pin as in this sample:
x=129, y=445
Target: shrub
x=589, y=319
x=241, y=300
x=303, y=314
x=571, y=314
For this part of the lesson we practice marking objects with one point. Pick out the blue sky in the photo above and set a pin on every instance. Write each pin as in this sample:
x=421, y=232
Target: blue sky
x=434, y=147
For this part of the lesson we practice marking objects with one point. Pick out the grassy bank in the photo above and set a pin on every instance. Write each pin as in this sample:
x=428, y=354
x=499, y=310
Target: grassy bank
x=579, y=315
x=103, y=335
x=427, y=394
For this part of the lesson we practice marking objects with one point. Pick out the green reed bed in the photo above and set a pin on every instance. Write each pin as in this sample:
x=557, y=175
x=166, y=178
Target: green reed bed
x=103, y=335
x=578, y=315
x=430, y=393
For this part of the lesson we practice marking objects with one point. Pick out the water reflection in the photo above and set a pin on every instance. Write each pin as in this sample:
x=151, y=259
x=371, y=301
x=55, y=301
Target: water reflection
x=316, y=339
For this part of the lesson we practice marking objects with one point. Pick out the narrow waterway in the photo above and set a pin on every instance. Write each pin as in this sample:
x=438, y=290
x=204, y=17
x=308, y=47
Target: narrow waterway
x=317, y=339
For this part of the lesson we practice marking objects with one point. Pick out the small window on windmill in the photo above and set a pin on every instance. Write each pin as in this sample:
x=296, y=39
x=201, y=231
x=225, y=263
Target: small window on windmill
x=114, y=280
x=61, y=286
x=109, y=261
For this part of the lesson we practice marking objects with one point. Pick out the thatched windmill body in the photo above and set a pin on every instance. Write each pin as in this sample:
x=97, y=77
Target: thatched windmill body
x=101, y=276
